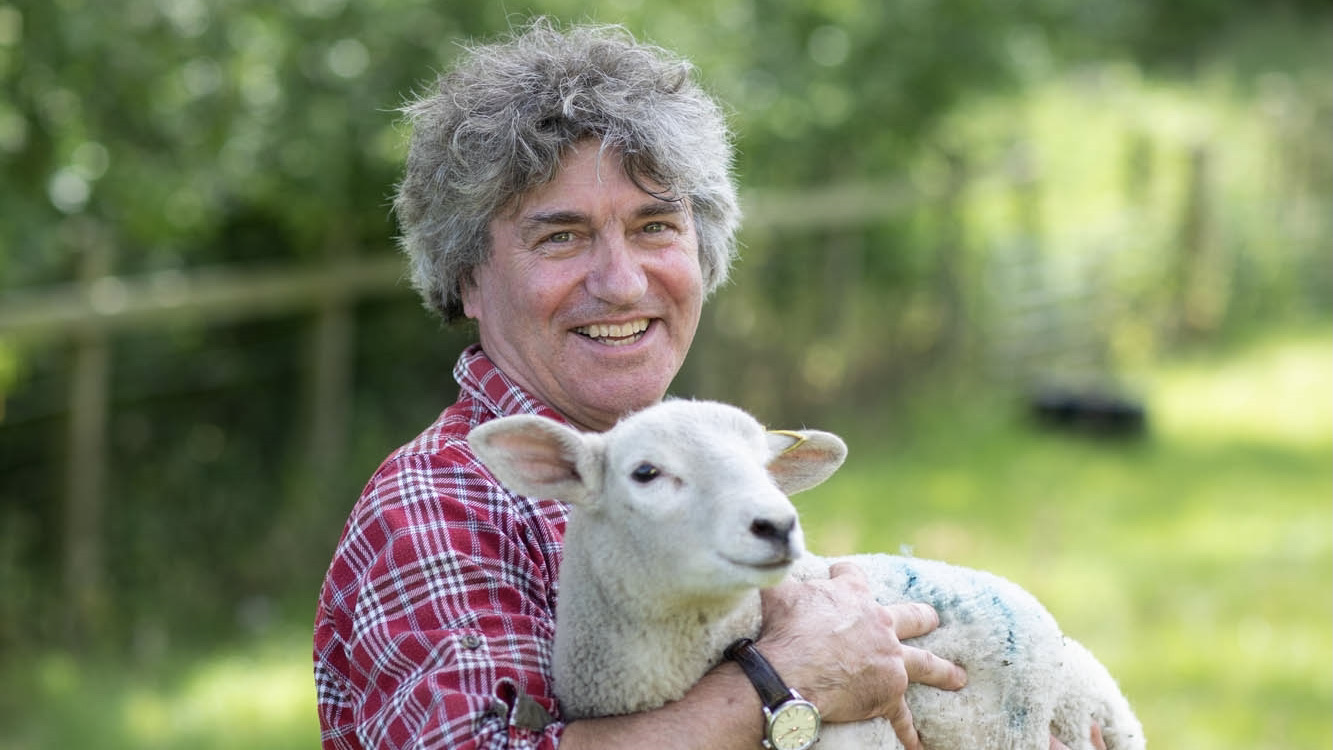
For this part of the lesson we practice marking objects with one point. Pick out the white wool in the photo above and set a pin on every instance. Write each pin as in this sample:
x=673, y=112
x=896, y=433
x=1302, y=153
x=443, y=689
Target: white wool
x=680, y=515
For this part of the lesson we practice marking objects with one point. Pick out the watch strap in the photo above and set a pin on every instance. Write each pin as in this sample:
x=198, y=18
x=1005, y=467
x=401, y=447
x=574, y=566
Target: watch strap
x=773, y=692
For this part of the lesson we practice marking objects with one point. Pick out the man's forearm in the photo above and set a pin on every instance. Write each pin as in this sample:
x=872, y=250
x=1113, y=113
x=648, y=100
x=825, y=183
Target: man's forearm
x=721, y=712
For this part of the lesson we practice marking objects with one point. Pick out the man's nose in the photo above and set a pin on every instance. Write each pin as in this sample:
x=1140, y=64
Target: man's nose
x=617, y=276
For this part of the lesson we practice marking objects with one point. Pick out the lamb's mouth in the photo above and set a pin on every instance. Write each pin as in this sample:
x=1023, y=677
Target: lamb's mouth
x=767, y=566
x=615, y=334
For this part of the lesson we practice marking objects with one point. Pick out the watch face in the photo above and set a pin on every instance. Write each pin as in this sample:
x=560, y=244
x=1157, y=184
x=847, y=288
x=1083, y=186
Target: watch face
x=794, y=726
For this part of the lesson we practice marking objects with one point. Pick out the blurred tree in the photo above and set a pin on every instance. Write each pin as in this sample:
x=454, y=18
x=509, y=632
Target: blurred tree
x=176, y=134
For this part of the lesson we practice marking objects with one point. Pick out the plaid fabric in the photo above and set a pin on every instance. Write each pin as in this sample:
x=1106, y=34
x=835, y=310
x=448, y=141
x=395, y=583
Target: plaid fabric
x=436, y=618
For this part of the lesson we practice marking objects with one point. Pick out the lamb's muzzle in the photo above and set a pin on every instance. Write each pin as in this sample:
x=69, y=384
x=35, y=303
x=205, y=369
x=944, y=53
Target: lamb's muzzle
x=777, y=534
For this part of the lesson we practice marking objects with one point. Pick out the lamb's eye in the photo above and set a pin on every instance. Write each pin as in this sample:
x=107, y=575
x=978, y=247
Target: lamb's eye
x=644, y=473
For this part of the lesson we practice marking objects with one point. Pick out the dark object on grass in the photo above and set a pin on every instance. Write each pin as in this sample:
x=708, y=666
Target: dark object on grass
x=1090, y=411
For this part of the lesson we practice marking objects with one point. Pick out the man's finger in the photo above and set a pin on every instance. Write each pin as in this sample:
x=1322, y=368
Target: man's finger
x=1096, y=737
x=1097, y=740
x=929, y=669
x=912, y=619
x=844, y=568
x=904, y=728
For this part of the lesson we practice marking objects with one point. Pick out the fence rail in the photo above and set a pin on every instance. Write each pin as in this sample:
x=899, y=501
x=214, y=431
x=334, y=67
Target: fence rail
x=208, y=295
x=106, y=302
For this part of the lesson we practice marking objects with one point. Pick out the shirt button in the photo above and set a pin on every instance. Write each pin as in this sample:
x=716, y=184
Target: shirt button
x=471, y=642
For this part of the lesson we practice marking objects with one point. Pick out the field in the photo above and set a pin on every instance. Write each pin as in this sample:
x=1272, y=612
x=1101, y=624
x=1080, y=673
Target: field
x=1197, y=562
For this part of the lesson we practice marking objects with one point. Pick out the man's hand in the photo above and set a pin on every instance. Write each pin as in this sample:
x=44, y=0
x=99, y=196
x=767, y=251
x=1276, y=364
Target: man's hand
x=844, y=652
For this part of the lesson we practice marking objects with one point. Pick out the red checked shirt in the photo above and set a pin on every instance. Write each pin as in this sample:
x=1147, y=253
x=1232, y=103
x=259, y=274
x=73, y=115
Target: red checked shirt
x=436, y=619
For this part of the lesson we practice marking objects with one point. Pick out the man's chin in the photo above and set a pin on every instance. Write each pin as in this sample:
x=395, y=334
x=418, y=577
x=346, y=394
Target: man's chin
x=611, y=399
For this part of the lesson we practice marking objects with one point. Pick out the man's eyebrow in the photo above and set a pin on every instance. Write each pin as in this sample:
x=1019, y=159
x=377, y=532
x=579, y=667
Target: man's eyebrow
x=540, y=219
x=563, y=217
x=660, y=207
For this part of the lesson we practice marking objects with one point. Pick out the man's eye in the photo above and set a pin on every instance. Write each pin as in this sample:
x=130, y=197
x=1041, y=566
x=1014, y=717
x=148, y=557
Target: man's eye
x=655, y=227
x=560, y=237
x=644, y=473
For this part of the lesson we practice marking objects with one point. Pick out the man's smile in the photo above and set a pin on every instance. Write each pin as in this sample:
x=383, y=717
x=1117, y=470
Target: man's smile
x=615, y=334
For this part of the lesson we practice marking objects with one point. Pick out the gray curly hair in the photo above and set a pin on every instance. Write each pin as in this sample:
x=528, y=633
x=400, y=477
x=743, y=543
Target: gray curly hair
x=498, y=124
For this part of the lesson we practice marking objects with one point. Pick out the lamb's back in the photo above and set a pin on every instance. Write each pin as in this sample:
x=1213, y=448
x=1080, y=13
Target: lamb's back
x=1006, y=640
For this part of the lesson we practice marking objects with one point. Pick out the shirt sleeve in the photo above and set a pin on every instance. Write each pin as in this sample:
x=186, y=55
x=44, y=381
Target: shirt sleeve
x=437, y=617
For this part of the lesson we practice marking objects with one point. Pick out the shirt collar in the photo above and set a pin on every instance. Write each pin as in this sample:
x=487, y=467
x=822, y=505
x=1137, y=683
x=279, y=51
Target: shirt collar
x=478, y=377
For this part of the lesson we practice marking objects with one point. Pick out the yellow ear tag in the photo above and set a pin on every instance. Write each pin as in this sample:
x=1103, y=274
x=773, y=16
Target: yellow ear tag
x=798, y=437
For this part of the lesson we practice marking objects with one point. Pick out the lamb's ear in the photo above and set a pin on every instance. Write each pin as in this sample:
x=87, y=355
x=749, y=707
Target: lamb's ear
x=801, y=459
x=540, y=457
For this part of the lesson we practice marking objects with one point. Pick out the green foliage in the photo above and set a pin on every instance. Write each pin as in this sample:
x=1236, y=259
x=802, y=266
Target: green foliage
x=169, y=136
x=192, y=132
x=1077, y=229
x=256, y=697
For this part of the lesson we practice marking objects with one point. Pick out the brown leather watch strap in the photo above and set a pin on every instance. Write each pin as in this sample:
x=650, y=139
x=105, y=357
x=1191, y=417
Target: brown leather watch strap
x=772, y=690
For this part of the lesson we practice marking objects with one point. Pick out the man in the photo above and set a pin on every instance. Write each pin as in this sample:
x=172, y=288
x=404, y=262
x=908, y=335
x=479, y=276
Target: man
x=571, y=193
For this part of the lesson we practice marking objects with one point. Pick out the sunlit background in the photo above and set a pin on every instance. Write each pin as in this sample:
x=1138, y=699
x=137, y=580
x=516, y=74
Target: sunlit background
x=1061, y=273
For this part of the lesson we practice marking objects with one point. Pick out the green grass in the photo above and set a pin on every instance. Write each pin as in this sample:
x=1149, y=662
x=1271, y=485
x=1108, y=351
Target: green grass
x=258, y=696
x=1197, y=563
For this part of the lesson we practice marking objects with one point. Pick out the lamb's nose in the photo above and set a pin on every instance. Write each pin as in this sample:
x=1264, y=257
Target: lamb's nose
x=773, y=529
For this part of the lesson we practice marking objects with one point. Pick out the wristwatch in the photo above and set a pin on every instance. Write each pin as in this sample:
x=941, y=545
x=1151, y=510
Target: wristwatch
x=790, y=721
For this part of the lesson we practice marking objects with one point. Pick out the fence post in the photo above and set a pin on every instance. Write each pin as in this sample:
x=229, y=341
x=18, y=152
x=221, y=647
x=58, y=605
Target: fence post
x=330, y=385
x=950, y=254
x=85, y=471
x=1200, y=297
x=1034, y=324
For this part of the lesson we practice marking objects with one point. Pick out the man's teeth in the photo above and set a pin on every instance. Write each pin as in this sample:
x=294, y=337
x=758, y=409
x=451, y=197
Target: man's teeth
x=614, y=330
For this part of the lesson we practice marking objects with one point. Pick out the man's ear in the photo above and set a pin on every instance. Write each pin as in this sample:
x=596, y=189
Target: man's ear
x=467, y=294
x=540, y=457
x=801, y=459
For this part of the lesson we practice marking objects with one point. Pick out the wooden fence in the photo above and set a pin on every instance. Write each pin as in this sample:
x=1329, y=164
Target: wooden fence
x=92, y=310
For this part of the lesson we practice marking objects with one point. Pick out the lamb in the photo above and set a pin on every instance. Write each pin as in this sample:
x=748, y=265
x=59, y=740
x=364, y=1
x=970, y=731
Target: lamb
x=680, y=515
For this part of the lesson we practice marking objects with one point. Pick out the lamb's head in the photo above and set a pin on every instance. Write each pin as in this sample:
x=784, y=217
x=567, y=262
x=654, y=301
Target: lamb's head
x=696, y=488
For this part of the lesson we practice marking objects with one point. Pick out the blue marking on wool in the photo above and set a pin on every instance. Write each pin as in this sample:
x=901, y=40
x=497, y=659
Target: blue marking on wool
x=916, y=589
x=1015, y=706
x=1018, y=718
x=1011, y=638
x=912, y=579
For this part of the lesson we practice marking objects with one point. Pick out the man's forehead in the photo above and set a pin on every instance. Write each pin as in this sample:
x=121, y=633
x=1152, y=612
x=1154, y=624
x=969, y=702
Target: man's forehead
x=589, y=164
x=544, y=206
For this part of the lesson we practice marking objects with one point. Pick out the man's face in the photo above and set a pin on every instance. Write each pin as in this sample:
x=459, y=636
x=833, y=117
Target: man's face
x=592, y=292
